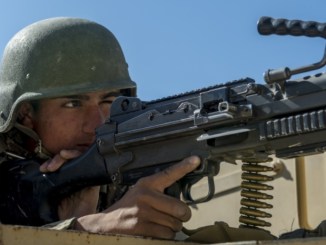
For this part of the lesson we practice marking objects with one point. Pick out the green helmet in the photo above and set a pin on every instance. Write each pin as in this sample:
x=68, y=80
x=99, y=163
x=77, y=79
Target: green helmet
x=59, y=57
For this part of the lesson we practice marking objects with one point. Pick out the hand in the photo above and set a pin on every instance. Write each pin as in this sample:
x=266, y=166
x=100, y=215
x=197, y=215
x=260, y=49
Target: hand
x=145, y=209
x=58, y=160
x=80, y=203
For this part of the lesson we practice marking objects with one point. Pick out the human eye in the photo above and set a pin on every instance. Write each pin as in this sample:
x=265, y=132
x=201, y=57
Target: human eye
x=72, y=103
x=105, y=105
x=108, y=100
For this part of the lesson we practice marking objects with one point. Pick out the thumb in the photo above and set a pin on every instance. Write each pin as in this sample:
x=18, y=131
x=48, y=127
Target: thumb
x=69, y=154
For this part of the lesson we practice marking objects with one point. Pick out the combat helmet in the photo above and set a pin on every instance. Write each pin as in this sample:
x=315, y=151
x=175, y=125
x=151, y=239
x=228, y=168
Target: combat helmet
x=59, y=57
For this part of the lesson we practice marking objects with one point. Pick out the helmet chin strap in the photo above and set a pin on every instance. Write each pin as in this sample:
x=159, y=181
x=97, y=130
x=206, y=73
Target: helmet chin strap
x=40, y=151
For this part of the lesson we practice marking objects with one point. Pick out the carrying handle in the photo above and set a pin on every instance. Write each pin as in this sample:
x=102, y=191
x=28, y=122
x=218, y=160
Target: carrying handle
x=267, y=26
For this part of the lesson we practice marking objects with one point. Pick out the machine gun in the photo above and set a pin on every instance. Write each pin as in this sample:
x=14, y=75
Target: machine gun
x=236, y=121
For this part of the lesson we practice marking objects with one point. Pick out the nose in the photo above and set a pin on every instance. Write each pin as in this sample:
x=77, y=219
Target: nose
x=94, y=117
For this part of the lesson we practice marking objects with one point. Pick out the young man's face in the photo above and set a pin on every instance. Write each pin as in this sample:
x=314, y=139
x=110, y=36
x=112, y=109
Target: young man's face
x=70, y=122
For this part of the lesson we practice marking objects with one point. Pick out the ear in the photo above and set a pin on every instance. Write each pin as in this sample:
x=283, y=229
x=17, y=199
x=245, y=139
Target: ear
x=25, y=115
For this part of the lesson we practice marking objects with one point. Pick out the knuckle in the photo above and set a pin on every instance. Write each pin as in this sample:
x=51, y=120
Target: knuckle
x=176, y=225
x=140, y=196
x=167, y=233
x=161, y=232
x=141, y=182
x=182, y=211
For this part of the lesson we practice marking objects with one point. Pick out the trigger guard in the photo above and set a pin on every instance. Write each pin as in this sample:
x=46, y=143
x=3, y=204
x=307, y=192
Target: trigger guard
x=186, y=191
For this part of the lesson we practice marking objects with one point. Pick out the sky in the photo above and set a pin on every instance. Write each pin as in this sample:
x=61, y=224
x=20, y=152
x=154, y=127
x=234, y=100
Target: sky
x=174, y=46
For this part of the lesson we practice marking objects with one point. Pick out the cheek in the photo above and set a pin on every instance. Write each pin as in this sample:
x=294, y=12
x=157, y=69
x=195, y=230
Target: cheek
x=57, y=134
x=105, y=110
x=50, y=129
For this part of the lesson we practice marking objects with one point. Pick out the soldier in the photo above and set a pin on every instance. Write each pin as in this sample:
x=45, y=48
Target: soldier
x=58, y=78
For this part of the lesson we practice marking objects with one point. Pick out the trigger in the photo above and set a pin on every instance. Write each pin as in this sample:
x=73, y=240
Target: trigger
x=186, y=191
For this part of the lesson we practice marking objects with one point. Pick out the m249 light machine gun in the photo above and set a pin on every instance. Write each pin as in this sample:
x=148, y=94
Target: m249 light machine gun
x=236, y=121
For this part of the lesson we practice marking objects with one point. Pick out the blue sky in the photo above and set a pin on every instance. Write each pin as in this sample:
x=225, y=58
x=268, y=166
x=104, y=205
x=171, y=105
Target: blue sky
x=173, y=46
